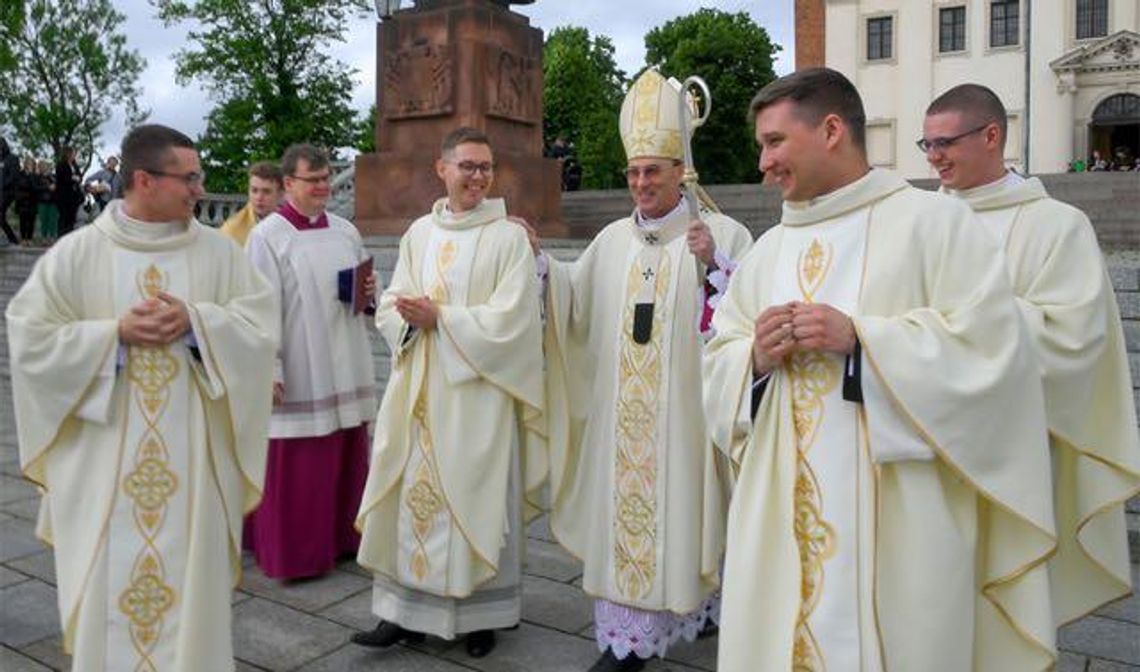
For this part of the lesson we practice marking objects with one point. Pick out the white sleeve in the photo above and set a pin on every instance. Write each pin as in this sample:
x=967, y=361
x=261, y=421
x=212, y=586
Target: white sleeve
x=96, y=403
x=892, y=437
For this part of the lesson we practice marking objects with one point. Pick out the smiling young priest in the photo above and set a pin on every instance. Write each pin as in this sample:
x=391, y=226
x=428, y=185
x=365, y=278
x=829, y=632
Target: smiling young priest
x=873, y=380
x=142, y=354
x=457, y=446
x=1065, y=295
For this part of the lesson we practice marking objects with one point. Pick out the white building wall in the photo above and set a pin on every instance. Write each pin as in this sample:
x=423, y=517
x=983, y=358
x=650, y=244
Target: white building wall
x=896, y=91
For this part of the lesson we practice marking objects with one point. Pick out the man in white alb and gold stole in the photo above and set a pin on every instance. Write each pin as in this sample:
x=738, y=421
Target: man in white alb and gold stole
x=1066, y=297
x=142, y=352
x=635, y=487
x=455, y=450
x=871, y=379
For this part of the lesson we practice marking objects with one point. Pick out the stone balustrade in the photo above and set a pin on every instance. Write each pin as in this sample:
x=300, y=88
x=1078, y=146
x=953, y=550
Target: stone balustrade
x=214, y=209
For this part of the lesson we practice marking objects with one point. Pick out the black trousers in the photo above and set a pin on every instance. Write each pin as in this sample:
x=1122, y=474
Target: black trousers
x=67, y=216
x=27, y=224
x=4, y=205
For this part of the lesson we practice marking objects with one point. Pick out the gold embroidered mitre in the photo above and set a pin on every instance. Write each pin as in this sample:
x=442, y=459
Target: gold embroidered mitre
x=649, y=121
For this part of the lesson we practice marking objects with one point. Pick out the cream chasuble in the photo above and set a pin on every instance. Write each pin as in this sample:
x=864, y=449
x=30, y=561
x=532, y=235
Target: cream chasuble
x=442, y=511
x=151, y=457
x=636, y=492
x=895, y=534
x=1066, y=297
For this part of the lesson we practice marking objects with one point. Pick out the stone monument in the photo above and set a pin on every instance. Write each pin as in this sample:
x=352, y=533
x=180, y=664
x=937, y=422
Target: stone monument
x=449, y=63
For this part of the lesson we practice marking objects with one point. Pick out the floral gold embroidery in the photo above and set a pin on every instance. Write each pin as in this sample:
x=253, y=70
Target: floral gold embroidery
x=149, y=485
x=813, y=375
x=635, y=477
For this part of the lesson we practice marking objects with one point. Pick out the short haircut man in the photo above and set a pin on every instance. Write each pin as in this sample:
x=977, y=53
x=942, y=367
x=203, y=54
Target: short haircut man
x=265, y=190
x=462, y=135
x=817, y=92
x=142, y=355
x=442, y=514
x=148, y=148
x=872, y=338
x=1058, y=274
x=977, y=104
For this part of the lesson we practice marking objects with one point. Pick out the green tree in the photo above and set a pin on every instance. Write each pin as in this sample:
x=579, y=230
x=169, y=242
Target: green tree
x=265, y=66
x=64, y=68
x=582, y=95
x=365, y=139
x=734, y=56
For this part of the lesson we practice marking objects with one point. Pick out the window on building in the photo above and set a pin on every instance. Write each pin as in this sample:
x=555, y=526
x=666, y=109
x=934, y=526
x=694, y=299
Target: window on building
x=951, y=29
x=879, y=31
x=1092, y=19
x=1005, y=23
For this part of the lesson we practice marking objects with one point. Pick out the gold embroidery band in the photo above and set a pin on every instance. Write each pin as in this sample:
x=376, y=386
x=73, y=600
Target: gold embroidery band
x=636, y=435
x=150, y=486
x=813, y=375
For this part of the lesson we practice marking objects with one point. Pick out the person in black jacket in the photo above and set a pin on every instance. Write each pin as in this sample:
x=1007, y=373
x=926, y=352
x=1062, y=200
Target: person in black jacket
x=9, y=173
x=68, y=192
x=27, y=200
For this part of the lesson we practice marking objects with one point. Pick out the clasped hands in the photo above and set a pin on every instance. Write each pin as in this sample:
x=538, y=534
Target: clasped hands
x=798, y=326
x=155, y=322
x=418, y=311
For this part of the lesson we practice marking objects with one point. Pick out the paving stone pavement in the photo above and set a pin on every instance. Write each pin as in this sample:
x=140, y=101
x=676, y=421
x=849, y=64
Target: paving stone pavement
x=305, y=626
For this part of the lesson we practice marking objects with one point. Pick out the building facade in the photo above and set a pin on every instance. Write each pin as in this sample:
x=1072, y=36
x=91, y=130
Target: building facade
x=1068, y=71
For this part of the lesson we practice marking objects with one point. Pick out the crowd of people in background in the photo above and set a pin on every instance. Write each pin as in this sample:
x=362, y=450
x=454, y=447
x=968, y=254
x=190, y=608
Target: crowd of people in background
x=1121, y=161
x=47, y=198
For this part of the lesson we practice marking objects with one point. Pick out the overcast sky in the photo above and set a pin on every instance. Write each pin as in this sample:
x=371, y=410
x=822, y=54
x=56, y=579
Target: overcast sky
x=626, y=23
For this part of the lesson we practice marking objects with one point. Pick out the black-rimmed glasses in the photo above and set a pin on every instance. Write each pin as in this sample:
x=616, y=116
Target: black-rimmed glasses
x=942, y=144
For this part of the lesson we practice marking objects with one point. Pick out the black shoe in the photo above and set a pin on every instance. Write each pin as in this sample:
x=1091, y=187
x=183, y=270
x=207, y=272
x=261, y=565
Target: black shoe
x=480, y=643
x=610, y=663
x=386, y=634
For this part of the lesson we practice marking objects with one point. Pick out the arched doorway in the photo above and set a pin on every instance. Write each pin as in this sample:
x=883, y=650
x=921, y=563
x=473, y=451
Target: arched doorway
x=1115, y=128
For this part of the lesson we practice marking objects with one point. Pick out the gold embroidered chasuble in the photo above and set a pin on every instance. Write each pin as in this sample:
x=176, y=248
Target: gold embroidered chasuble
x=460, y=402
x=636, y=492
x=918, y=496
x=1066, y=297
x=239, y=224
x=148, y=467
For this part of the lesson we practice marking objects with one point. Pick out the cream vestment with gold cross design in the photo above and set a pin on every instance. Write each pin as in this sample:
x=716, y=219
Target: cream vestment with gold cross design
x=150, y=456
x=635, y=486
x=910, y=531
x=459, y=439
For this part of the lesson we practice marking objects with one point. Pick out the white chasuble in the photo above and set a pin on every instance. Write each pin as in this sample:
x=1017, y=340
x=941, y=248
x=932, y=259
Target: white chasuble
x=149, y=457
x=636, y=490
x=147, y=532
x=911, y=531
x=457, y=443
x=834, y=514
x=1067, y=301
